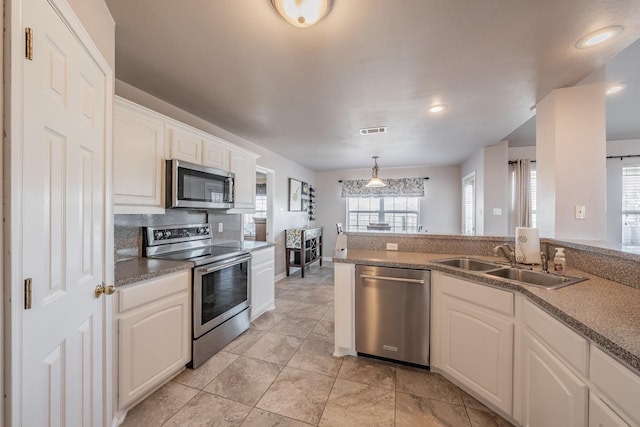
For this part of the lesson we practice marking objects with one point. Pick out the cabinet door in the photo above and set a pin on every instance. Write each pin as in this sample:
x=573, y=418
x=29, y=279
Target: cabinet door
x=477, y=349
x=154, y=343
x=262, y=282
x=185, y=145
x=244, y=166
x=138, y=159
x=552, y=395
x=600, y=415
x=344, y=296
x=215, y=154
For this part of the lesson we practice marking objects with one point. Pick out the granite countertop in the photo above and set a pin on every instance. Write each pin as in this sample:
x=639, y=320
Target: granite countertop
x=604, y=311
x=137, y=269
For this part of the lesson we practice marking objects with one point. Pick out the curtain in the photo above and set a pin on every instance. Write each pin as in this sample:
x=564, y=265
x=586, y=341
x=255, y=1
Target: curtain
x=395, y=187
x=522, y=193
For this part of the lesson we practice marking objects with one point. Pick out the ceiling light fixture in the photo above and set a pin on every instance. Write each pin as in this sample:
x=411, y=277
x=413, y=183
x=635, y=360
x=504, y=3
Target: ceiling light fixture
x=302, y=13
x=616, y=88
x=598, y=37
x=437, y=108
x=375, y=182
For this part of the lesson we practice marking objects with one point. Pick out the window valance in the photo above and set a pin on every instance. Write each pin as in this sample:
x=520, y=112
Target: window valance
x=395, y=187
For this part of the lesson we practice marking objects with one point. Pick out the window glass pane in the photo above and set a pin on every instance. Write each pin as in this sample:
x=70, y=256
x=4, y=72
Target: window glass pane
x=393, y=214
x=631, y=208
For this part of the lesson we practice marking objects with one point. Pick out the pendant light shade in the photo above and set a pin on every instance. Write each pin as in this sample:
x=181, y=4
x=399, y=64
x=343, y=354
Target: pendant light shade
x=302, y=13
x=375, y=182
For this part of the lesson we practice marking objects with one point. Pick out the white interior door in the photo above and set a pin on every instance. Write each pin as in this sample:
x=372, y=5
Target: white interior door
x=63, y=146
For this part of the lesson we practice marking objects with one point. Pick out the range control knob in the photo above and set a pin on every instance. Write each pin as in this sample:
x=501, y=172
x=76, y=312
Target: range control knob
x=201, y=230
x=159, y=234
x=167, y=233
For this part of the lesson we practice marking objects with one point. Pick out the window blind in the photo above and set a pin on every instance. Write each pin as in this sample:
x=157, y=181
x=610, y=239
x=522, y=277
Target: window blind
x=631, y=205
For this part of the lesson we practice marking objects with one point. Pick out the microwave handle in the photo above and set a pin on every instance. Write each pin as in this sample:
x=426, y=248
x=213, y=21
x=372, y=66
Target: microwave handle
x=231, y=189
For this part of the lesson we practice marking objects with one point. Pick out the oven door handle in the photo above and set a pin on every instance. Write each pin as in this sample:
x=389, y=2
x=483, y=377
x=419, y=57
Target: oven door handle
x=223, y=264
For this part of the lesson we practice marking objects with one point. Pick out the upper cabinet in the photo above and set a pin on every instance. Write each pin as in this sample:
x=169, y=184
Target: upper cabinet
x=144, y=139
x=243, y=164
x=138, y=159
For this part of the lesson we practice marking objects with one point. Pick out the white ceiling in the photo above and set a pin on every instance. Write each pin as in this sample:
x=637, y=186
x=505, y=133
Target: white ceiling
x=304, y=93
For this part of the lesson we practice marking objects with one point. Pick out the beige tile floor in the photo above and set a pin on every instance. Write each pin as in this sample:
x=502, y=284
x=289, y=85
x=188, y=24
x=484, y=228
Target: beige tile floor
x=281, y=372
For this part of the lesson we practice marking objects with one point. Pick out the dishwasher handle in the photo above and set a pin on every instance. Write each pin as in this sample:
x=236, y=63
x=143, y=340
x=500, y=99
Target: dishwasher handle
x=392, y=279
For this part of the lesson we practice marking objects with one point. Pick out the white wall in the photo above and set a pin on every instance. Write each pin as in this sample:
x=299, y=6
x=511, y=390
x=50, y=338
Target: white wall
x=284, y=168
x=439, y=209
x=97, y=20
x=496, y=189
x=516, y=153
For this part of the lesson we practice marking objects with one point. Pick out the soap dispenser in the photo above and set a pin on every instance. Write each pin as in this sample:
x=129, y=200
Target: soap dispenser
x=559, y=262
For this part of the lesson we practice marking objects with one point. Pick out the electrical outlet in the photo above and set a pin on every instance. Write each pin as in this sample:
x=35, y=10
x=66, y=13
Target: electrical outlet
x=220, y=228
x=392, y=246
x=581, y=212
x=497, y=211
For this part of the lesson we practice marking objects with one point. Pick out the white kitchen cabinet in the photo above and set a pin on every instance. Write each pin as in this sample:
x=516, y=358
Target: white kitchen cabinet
x=138, y=159
x=215, y=153
x=185, y=143
x=344, y=297
x=154, y=334
x=553, y=391
x=262, y=281
x=243, y=165
x=473, y=337
x=600, y=415
x=617, y=384
x=552, y=394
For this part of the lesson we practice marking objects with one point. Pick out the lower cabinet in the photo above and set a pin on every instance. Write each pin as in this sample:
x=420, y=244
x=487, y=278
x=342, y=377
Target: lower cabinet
x=600, y=415
x=262, y=281
x=474, y=337
x=154, y=334
x=552, y=394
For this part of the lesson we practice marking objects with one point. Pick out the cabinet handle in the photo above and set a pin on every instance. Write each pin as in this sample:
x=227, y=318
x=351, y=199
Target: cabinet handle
x=392, y=279
x=103, y=289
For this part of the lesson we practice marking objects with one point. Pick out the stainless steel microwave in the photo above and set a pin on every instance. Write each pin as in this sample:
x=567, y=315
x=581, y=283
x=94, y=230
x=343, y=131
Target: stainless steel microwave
x=198, y=187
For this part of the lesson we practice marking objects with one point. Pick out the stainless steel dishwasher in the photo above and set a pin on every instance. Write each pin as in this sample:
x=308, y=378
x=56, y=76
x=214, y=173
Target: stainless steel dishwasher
x=392, y=313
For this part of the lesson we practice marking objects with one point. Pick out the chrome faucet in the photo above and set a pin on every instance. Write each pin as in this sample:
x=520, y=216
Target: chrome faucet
x=508, y=253
x=545, y=262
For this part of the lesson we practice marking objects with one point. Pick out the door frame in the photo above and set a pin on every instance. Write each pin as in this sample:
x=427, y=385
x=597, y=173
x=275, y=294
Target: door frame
x=12, y=172
x=271, y=179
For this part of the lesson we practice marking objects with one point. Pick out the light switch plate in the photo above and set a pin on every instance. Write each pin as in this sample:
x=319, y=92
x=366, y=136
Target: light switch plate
x=220, y=228
x=392, y=246
x=497, y=211
x=581, y=212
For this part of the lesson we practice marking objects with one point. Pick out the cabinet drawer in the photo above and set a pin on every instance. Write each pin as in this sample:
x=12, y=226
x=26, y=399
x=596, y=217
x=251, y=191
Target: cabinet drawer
x=483, y=296
x=153, y=289
x=569, y=345
x=261, y=256
x=616, y=382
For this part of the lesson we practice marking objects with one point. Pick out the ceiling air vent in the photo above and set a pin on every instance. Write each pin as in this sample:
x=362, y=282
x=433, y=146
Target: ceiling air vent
x=379, y=129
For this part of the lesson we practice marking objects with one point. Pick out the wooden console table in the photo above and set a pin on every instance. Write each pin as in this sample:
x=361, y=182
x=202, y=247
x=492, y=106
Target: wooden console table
x=305, y=244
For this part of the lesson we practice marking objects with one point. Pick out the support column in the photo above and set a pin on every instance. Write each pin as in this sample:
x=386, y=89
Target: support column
x=571, y=161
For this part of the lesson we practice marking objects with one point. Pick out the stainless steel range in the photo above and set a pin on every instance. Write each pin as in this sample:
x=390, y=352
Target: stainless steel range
x=220, y=296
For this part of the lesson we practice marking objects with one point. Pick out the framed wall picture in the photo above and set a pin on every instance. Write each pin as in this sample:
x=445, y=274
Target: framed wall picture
x=295, y=195
x=305, y=205
x=305, y=190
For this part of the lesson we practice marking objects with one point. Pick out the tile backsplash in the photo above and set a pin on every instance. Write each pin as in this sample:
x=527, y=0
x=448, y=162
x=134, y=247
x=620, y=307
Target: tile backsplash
x=128, y=228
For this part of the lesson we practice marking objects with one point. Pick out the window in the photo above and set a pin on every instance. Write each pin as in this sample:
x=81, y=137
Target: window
x=399, y=214
x=631, y=207
x=469, y=204
x=533, y=180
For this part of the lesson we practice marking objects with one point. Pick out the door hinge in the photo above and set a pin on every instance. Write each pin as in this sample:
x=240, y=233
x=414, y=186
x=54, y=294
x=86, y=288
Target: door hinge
x=27, y=293
x=28, y=38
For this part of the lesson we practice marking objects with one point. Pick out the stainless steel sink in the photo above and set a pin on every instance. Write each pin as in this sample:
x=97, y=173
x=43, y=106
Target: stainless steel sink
x=536, y=278
x=468, y=264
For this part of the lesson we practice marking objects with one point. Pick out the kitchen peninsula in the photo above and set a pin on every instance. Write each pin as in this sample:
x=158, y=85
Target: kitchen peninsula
x=572, y=332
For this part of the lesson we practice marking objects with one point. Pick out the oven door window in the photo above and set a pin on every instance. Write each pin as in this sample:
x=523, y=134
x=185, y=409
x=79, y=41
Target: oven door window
x=222, y=290
x=201, y=187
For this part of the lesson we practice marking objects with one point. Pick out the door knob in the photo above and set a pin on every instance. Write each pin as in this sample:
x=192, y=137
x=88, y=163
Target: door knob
x=102, y=289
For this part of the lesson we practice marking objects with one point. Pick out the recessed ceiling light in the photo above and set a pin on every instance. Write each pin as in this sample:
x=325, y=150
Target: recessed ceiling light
x=437, y=108
x=616, y=88
x=598, y=36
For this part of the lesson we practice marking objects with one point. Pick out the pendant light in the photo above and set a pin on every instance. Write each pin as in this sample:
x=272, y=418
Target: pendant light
x=302, y=13
x=375, y=182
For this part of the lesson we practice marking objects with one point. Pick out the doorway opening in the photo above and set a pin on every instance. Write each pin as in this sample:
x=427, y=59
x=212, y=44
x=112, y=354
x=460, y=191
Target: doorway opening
x=257, y=226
